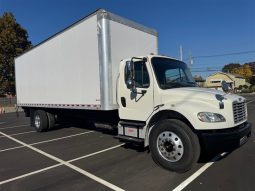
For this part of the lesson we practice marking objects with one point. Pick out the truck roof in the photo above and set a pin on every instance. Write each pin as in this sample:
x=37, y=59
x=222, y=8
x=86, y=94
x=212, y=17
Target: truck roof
x=154, y=55
x=99, y=12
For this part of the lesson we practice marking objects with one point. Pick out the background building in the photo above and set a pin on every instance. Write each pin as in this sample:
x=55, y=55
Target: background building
x=234, y=81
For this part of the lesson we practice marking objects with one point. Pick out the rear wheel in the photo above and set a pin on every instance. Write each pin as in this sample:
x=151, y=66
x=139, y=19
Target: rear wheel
x=173, y=145
x=51, y=120
x=40, y=121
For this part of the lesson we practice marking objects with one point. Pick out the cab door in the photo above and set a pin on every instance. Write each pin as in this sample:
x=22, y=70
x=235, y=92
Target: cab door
x=136, y=104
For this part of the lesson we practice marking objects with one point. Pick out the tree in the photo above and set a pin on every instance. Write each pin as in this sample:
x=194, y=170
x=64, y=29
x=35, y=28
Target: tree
x=13, y=42
x=247, y=71
x=198, y=78
x=245, y=86
x=252, y=65
x=244, y=71
x=230, y=67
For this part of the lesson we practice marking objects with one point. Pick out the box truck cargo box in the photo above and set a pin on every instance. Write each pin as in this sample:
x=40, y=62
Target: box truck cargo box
x=78, y=67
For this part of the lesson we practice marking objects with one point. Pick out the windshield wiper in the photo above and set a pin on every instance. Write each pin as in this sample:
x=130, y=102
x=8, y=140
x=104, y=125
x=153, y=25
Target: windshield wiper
x=169, y=86
x=178, y=85
x=190, y=82
x=193, y=83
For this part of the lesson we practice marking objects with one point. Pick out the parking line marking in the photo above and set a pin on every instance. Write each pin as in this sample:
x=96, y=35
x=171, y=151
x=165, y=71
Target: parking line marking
x=2, y=123
x=198, y=173
x=46, y=141
x=12, y=148
x=50, y=140
x=26, y=132
x=77, y=169
x=13, y=126
x=95, y=178
x=249, y=101
x=29, y=174
x=95, y=153
x=59, y=164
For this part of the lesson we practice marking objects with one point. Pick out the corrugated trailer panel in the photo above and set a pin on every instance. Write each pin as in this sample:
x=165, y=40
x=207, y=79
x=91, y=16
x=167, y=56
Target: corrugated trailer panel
x=63, y=70
x=127, y=42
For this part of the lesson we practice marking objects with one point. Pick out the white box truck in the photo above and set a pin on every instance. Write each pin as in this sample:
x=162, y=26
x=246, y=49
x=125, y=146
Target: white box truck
x=105, y=67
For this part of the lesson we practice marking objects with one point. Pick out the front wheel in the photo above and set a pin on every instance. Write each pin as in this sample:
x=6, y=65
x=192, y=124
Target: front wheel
x=173, y=145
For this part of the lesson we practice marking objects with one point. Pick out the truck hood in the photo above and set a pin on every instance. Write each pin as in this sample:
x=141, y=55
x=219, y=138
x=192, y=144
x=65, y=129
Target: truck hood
x=201, y=94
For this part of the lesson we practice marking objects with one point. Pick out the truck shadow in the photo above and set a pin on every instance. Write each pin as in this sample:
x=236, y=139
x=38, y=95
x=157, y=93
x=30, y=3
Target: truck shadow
x=86, y=126
x=212, y=156
x=107, y=129
x=205, y=155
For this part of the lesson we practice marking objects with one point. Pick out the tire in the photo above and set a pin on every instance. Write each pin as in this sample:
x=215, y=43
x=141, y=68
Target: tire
x=51, y=120
x=40, y=121
x=32, y=112
x=174, y=146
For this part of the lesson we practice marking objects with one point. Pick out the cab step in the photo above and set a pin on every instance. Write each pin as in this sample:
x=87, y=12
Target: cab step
x=129, y=139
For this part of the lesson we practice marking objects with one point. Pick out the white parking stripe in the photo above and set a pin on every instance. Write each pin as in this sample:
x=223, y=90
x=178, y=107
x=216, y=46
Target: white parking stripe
x=2, y=123
x=50, y=140
x=57, y=165
x=250, y=101
x=95, y=153
x=93, y=177
x=9, y=149
x=29, y=174
x=197, y=173
x=46, y=141
x=26, y=132
x=14, y=126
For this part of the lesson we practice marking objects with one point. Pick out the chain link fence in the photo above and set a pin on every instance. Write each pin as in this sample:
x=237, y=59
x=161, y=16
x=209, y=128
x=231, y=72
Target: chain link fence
x=8, y=102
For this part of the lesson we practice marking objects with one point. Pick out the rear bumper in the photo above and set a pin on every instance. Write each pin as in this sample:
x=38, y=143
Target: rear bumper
x=225, y=139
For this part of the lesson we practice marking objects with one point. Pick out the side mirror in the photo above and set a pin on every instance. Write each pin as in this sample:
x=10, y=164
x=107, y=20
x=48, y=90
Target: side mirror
x=225, y=86
x=130, y=83
x=130, y=66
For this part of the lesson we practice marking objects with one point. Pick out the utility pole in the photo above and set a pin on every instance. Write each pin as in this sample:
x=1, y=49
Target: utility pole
x=190, y=58
x=181, y=58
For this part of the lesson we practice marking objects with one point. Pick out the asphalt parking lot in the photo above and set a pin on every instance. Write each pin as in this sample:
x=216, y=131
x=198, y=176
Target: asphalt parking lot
x=84, y=158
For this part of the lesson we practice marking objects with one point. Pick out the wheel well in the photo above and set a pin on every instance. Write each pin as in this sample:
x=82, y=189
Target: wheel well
x=169, y=114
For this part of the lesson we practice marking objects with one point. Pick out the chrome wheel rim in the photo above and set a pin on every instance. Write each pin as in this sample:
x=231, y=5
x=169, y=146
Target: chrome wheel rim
x=37, y=121
x=170, y=146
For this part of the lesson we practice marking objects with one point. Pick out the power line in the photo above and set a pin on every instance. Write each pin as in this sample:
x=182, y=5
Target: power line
x=221, y=55
x=220, y=66
x=205, y=70
x=206, y=67
x=215, y=67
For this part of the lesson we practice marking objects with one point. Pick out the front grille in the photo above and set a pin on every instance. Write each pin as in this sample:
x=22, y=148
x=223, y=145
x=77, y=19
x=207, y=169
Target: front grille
x=239, y=111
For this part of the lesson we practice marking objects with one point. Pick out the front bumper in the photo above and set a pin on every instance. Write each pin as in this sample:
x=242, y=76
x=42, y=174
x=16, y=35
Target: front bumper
x=225, y=139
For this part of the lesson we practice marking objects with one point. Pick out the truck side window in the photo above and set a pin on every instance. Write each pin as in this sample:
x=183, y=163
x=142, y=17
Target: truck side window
x=142, y=79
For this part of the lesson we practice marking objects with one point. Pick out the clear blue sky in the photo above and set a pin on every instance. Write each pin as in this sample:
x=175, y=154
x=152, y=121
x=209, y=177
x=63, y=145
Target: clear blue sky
x=204, y=27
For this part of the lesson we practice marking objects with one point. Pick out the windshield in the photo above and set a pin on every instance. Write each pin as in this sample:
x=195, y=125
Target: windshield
x=172, y=73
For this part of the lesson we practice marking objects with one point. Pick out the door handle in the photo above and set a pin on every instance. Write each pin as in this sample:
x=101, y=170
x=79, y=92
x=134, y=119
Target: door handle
x=123, y=101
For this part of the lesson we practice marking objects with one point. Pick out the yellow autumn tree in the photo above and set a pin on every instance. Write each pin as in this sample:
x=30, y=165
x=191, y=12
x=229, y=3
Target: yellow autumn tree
x=247, y=71
x=244, y=71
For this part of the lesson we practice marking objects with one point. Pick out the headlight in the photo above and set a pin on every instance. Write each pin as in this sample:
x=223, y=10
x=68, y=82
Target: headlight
x=210, y=117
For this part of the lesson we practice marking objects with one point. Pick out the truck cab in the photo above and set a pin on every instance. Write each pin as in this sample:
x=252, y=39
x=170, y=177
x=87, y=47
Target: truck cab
x=161, y=106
